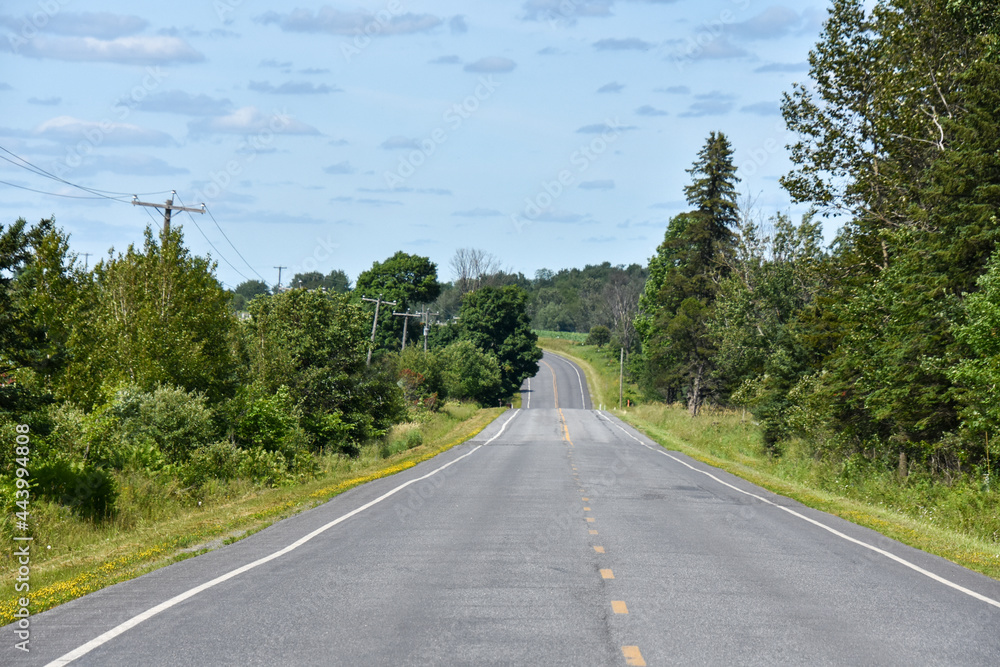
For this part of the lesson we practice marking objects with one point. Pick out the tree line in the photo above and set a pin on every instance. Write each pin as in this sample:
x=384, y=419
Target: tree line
x=142, y=365
x=883, y=345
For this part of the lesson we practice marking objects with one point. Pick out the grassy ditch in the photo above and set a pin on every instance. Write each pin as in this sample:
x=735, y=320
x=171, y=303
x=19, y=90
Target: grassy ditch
x=959, y=520
x=71, y=557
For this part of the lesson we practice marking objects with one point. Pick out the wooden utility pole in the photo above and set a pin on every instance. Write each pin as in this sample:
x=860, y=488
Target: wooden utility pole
x=407, y=315
x=279, y=273
x=427, y=327
x=167, y=208
x=378, y=304
x=621, y=378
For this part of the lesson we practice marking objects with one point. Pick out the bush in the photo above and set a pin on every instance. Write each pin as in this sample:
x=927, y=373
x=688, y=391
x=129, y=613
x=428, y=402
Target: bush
x=219, y=460
x=137, y=427
x=469, y=373
x=270, y=422
x=89, y=491
x=599, y=335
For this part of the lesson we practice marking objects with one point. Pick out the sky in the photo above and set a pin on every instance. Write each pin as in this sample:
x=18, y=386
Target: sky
x=550, y=133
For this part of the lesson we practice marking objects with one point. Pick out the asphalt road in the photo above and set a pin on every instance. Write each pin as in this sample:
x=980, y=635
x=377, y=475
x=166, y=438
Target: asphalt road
x=558, y=536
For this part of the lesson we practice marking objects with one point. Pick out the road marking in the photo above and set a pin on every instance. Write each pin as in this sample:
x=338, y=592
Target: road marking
x=607, y=574
x=586, y=509
x=633, y=656
x=590, y=519
x=579, y=378
x=593, y=532
x=599, y=550
x=619, y=607
x=562, y=418
x=555, y=389
x=528, y=406
x=584, y=499
x=177, y=599
x=833, y=531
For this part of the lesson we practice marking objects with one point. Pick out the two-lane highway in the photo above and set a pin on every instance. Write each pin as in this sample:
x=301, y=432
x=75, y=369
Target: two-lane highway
x=558, y=536
x=559, y=384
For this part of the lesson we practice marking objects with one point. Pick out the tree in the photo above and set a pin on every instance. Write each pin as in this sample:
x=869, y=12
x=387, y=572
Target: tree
x=678, y=300
x=315, y=343
x=336, y=281
x=469, y=373
x=252, y=288
x=495, y=321
x=155, y=316
x=409, y=280
x=473, y=268
x=599, y=335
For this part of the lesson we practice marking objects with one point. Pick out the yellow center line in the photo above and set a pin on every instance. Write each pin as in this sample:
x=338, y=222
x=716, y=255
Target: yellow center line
x=607, y=574
x=555, y=389
x=632, y=656
x=599, y=550
x=590, y=519
x=619, y=607
x=593, y=532
x=584, y=499
x=586, y=509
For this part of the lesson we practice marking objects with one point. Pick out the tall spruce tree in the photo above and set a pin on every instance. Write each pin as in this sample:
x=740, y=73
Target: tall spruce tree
x=678, y=300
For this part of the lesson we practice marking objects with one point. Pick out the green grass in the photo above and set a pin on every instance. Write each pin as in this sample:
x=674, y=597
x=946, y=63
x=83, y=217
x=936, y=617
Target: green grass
x=71, y=557
x=959, y=521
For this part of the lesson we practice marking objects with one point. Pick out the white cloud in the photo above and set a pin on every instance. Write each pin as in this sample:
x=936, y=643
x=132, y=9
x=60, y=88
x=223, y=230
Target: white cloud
x=182, y=102
x=492, y=64
x=630, y=44
x=72, y=130
x=648, y=110
x=339, y=169
x=773, y=23
x=144, y=50
x=247, y=120
x=710, y=104
x=102, y=25
x=336, y=22
x=398, y=142
x=294, y=88
x=613, y=87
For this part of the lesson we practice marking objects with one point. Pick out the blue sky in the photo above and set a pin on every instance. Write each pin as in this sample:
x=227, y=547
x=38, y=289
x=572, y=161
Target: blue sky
x=552, y=133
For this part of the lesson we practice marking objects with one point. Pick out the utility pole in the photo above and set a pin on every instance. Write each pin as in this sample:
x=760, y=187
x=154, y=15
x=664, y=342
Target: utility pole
x=407, y=315
x=86, y=256
x=621, y=378
x=167, y=209
x=427, y=327
x=378, y=303
x=279, y=273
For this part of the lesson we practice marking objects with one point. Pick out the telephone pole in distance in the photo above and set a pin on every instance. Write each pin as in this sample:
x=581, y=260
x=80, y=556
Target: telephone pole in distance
x=378, y=304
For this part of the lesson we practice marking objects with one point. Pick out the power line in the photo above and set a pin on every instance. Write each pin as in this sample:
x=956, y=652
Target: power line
x=56, y=194
x=212, y=245
x=28, y=166
x=233, y=246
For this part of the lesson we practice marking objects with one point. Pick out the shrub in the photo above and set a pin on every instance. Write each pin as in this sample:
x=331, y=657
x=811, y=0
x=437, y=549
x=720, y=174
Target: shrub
x=148, y=429
x=599, y=335
x=469, y=373
x=88, y=490
x=269, y=422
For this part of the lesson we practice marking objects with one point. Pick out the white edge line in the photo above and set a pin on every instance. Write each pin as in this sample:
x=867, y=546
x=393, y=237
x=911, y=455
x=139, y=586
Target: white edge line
x=177, y=599
x=882, y=552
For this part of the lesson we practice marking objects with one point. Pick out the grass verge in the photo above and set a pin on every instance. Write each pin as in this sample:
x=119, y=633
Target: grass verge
x=958, y=521
x=76, y=558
